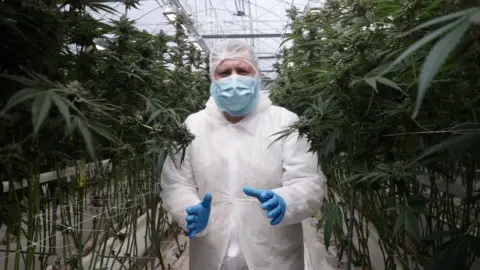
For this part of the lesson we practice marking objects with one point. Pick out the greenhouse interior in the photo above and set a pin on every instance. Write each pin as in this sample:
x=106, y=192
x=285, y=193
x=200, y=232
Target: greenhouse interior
x=97, y=93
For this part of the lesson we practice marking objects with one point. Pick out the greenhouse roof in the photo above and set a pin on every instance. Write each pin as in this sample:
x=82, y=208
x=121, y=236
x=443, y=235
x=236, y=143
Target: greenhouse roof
x=260, y=22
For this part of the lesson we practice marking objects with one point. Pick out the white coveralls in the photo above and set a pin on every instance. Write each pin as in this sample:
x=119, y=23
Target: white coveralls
x=225, y=157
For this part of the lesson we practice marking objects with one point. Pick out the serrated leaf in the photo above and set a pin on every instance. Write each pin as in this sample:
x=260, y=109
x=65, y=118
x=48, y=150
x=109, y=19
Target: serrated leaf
x=281, y=135
x=18, y=98
x=171, y=154
x=22, y=80
x=444, y=18
x=154, y=115
x=331, y=219
x=62, y=107
x=355, y=81
x=370, y=177
x=372, y=82
x=12, y=25
x=103, y=131
x=439, y=235
x=369, y=15
x=329, y=224
x=420, y=43
x=435, y=59
x=433, y=5
x=338, y=216
x=161, y=159
x=399, y=223
x=393, y=85
x=40, y=108
x=412, y=225
x=452, y=142
x=475, y=17
x=87, y=137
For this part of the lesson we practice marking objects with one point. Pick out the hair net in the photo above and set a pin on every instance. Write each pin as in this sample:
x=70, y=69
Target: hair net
x=232, y=49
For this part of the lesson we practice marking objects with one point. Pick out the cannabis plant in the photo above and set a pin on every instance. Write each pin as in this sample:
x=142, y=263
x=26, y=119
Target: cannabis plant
x=77, y=90
x=388, y=97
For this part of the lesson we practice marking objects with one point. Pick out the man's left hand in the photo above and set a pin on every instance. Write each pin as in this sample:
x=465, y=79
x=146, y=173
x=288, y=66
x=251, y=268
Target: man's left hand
x=272, y=202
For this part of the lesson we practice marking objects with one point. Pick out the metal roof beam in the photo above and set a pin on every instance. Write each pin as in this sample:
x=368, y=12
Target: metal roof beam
x=219, y=36
x=275, y=56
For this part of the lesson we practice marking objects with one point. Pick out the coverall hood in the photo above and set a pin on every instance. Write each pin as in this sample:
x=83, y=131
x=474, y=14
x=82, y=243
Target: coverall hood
x=233, y=50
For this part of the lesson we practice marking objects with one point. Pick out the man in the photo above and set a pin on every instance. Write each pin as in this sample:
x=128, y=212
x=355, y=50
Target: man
x=240, y=195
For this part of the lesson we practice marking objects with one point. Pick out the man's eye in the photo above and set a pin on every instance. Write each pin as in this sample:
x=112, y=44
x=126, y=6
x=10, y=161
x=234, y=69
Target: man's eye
x=243, y=72
x=223, y=74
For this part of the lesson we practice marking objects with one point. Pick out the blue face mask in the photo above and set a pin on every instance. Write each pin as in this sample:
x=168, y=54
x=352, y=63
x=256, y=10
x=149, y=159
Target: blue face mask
x=236, y=95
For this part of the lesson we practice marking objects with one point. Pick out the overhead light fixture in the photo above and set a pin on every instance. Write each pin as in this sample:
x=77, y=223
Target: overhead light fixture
x=314, y=6
x=170, y=14
x=195, y=43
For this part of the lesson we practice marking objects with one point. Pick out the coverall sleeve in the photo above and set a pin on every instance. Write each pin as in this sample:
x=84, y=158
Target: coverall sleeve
x=179, y=189
x=302, y=183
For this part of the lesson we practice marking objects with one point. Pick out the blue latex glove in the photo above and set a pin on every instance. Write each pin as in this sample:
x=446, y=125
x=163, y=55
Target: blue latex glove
x=197, y=216
x=273, y=203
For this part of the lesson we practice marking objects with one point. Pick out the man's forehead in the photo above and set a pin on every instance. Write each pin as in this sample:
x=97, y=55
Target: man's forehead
x=233, y=63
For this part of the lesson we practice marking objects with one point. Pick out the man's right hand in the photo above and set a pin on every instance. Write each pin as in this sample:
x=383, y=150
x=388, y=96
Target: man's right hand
x=197, y=216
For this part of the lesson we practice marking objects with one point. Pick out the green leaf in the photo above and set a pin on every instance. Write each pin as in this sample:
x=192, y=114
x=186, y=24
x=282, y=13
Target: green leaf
x=87, y=137
x=451, y=255
x=433, y=5
x=412, y=225
x=281, y=135
x=62, y=107
x=444, y=18
x=452, y=142
x=394, y=208
x=439, y=235
x=435, y=60
x=417, y=204
x=372, y=82
x=171, y=153
x=400, y=222
x=103, y=131
x=338, y=216
x=423, y=41
x=101, y=8
x=388, y=82
x=332, y=218
x=13, y=25
x=369, y=177
x=18, y=98
x=475, y=17
x=370, y=16
x=40, y=108
x=161, y=159
x=23, y=80
x=154, y=115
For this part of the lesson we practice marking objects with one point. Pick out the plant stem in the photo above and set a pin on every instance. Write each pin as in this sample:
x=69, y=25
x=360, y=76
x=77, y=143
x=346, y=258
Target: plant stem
x=350, y=230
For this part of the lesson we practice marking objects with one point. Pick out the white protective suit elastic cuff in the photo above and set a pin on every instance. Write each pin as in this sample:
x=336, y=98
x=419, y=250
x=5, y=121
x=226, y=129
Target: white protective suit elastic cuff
x=202, y=233
x=197, y=235
x=294, y=212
